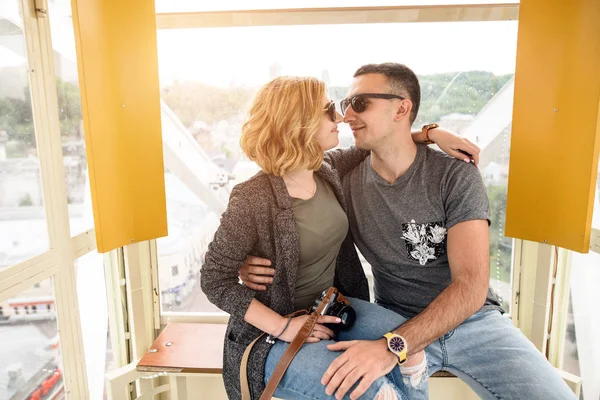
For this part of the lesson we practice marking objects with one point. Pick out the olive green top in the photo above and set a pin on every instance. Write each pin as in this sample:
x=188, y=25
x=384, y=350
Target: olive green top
x=322, y=226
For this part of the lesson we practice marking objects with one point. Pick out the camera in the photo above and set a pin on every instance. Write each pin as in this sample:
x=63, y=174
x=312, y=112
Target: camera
x=338, y=306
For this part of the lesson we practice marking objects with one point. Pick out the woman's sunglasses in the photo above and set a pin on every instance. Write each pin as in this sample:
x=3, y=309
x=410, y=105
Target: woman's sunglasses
x=359, y=102
x=330, y=110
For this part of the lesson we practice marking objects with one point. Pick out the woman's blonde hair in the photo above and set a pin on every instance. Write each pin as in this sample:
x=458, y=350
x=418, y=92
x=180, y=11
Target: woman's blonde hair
x=279, y=133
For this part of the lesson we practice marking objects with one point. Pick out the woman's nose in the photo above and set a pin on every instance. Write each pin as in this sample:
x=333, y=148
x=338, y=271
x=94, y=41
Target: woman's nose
x=338, y=117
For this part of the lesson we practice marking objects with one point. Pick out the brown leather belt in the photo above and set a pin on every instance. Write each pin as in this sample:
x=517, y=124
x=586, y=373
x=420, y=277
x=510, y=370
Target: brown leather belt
x=289, y=353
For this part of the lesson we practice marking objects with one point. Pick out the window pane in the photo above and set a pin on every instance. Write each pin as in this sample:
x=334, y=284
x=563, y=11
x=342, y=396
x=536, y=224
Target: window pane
x=70, y=119
x=165, y=6
x=91, y=293
x=30, y=347
x=181, y=254
x=23, y=229
x=69, y=115
x=582, y=350
x=596, y=217
x=205, y=100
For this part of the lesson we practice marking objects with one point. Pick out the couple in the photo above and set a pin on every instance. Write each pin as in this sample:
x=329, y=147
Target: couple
x=419, y=217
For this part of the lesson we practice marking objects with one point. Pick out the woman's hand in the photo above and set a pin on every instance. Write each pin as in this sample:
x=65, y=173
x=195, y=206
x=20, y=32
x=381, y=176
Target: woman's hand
x=319, y=332
x=450, y=143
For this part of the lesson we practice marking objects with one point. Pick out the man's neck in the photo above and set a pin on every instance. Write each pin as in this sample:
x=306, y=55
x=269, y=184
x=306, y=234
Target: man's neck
x=393, y=158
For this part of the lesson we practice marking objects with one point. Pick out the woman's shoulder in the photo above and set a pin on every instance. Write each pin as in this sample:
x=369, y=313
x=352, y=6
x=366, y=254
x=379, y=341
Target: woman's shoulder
x=260, y=186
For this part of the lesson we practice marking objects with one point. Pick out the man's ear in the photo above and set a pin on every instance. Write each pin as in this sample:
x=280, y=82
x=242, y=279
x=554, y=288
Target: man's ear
x=403, y=110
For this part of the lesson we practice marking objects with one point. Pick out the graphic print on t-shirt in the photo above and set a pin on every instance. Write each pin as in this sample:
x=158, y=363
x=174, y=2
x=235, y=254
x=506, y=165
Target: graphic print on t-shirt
x=424, y=242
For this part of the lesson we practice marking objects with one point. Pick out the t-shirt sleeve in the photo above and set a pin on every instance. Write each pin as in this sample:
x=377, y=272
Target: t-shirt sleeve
x=466, y=197
x=344, y=160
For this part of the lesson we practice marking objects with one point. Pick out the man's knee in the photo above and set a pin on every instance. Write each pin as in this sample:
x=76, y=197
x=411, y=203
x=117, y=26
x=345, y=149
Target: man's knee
x=415, y=376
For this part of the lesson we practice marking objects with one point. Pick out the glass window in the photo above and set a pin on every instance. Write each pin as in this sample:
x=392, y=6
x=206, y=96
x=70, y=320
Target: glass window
x=23, y=229
x=70, y=119
x=192, y=225
x=30, y=346
x=467, y=87
x=582, y=350
x=91, y=293
x=596, y=216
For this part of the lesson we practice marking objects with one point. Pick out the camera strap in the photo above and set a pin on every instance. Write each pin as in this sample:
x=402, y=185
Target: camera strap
x=287, y=356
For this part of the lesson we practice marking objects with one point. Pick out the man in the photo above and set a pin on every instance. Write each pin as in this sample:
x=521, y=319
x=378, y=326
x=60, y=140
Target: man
x=421, y=220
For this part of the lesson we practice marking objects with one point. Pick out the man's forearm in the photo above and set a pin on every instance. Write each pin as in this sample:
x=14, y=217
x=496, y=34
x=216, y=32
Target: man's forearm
x=454, y=305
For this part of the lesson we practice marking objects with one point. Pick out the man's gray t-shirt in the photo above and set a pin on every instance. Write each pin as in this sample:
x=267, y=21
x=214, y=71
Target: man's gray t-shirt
x=401, y=228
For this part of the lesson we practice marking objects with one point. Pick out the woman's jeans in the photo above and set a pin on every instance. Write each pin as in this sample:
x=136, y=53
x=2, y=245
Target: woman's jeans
x=302, y=379
x=486, y=351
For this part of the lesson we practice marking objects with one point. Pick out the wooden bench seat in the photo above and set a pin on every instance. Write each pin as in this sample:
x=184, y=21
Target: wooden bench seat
x=192, y=348
x=186, y=348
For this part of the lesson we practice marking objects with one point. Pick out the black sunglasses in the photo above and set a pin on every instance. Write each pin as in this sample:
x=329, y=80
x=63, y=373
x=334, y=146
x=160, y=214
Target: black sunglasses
x=330, y=110
x=359, y=101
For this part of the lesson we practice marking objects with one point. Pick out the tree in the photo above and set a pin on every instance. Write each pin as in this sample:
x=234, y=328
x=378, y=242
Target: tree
x=195, y=101
x=16, y=116
x=17, y=120
x=462, y=92
x=25, y=201
x=69, y=109
x=447, y=93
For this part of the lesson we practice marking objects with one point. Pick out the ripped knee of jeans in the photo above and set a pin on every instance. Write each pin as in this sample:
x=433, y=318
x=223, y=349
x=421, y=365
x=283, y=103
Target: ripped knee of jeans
x=386, y=392
x=416, y=374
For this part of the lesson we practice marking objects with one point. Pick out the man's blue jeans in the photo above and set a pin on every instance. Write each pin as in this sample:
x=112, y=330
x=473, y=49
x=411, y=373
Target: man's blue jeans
x=486, y=351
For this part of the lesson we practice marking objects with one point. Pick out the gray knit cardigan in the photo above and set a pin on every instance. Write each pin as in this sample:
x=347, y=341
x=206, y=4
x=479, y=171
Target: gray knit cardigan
x=259, y=221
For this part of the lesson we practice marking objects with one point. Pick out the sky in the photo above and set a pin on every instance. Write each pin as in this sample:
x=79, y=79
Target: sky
x=243, y=55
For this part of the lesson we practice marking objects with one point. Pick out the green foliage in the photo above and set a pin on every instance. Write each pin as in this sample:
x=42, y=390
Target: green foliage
x=194, y=101
x=16, y=116
x=69, y=108
x=17, y=120
x=463, y=92
x=447, y=93
x=442, y=94
x=25, y=201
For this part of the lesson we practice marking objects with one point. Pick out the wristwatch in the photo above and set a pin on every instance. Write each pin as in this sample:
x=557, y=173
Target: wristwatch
x=397, y=345
x=426, y=129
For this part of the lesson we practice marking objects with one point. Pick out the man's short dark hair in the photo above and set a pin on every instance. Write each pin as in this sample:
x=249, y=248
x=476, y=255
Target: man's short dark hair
x=401, y=79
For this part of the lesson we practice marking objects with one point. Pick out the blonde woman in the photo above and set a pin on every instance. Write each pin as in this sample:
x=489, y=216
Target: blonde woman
x=293, y=213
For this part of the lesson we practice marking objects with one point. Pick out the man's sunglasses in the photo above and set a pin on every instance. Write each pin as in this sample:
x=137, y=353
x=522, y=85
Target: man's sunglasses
x=359, y=102
x=330, y=110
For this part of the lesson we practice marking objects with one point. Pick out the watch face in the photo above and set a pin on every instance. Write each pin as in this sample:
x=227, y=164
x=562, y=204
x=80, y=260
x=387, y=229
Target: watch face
x=396, y=344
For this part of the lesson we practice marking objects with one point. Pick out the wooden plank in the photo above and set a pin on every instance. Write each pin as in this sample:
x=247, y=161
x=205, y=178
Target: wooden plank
x=195, y=348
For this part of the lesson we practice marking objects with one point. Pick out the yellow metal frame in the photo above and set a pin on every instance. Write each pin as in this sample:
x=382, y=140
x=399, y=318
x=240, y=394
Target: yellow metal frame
x=556, y=119
x=118, y=78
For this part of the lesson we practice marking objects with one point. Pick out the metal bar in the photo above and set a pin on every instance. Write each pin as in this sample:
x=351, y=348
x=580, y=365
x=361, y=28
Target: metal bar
x=339, y=15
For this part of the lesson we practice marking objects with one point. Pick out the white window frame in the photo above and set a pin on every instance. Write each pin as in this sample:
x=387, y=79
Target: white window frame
x=535, y=272
x=143, y=300
x=532, y=282
x=312, y=16
x=58, y=262
x=595, y=240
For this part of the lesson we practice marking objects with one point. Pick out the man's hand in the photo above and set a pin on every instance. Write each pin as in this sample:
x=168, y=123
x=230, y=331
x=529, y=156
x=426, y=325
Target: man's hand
x=364, y=360
x=256, y=272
